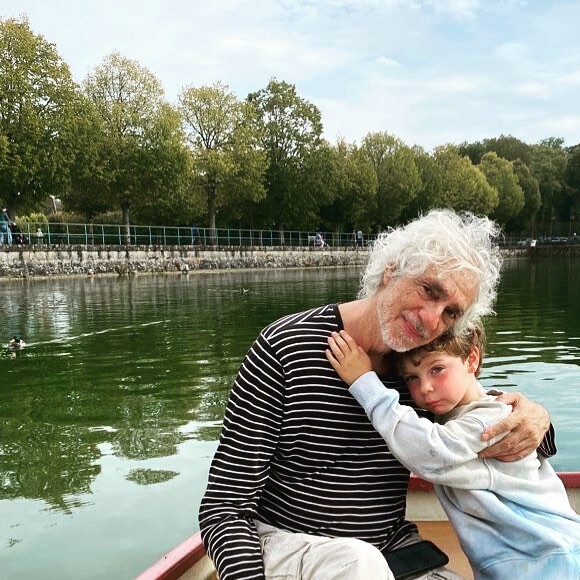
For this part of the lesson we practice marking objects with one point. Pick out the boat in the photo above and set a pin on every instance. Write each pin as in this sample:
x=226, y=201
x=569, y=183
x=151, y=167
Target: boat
x=188, y=561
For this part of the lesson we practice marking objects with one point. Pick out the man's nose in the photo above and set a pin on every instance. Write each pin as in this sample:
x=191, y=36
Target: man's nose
x=433, y=318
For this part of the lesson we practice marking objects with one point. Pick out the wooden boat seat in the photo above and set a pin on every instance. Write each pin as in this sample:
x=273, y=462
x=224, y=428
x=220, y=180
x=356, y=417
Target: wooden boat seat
x=443, y=535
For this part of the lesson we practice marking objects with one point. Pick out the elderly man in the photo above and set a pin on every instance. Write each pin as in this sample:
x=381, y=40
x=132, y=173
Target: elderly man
x=301, y=485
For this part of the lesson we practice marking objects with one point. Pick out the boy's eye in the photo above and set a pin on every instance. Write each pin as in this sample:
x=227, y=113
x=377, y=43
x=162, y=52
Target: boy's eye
x=409, y=378
x=437, y=370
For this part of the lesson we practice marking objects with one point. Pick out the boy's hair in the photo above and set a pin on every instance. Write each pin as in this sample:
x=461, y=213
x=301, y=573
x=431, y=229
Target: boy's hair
x=448, y=343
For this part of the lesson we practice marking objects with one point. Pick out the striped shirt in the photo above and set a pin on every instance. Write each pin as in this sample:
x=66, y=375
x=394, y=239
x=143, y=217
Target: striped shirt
x=298, y=452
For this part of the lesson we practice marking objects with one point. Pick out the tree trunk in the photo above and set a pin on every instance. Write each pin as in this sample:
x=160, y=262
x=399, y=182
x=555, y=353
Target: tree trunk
x=126, y=225
x=211, y=211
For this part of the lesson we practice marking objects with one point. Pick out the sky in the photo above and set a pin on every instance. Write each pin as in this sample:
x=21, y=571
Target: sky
x=430, y=72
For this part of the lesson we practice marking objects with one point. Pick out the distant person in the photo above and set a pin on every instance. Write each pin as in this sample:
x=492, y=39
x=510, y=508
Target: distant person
x=5, y=231
x=319, y=240
x=359, y=238
x=39, y=236
x=194, y=236
x=514, y=520
x=301, y=485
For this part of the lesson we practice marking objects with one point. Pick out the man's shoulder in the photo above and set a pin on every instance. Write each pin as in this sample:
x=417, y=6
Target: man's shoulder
x=325, y=318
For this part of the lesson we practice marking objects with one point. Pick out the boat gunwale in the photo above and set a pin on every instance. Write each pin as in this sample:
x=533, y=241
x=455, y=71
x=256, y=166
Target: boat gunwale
x=570, y=479
x=180, y=559
x=177, y=561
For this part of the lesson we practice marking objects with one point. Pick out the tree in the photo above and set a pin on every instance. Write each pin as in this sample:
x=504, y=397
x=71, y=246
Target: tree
x=398, y=179
x=532, y=197
x=500, y=175
x=509, y=147
x=291, y=129
x=572, y=177
x=143, y=158
x=228, y=165
x=355, y=188
x=548, y=165
x=464, y=187
x=475, y=151
x=429, y=195
x=38, y=118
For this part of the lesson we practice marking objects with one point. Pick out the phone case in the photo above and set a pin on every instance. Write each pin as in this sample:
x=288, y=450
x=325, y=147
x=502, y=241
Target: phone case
x=415, y=559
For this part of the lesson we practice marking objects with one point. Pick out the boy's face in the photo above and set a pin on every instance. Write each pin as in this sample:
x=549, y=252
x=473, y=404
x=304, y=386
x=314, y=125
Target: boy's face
x=441, y=382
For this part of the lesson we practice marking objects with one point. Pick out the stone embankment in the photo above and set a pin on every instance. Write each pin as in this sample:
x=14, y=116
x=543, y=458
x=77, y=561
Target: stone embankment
x=34, y=261
x=43, y=261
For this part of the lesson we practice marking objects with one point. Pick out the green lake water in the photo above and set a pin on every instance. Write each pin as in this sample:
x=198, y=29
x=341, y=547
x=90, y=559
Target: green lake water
x=110, y=414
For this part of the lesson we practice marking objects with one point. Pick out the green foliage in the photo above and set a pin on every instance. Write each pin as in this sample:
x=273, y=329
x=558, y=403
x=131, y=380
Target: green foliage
x=118, y=146
x=509, y=147
x=65, y=217
x=227, y=163
x=398, y=178
x=500, y=175
x=524, y=221
x=548, y=165
x=290, y=134
x=355, y=188
x=429, y=195
x=33, y=218
x=463, y=186
x=141, y=162
x=37, y=118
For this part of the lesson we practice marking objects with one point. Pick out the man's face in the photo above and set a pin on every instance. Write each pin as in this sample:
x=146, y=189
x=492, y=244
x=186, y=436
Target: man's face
x=414, y=311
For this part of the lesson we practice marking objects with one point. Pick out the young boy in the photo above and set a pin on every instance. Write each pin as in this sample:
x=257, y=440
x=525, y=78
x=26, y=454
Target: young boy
x=513, y=519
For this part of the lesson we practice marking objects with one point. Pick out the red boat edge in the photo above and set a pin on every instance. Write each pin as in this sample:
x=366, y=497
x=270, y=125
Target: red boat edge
x=179, y=560
x=176, y=562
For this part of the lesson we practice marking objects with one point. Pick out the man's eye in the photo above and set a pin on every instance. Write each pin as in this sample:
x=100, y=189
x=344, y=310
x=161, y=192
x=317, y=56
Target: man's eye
x=428, y=290
x=452, y=314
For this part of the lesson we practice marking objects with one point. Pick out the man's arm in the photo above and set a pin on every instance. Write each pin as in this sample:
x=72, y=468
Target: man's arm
x=529, y=429
x=240, y=467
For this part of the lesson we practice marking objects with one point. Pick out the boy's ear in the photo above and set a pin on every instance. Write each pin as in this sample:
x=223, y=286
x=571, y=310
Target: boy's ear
x=473, y=359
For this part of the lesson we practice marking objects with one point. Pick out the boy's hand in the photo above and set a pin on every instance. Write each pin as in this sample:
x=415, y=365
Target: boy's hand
x=527, y=424
x=347, y=358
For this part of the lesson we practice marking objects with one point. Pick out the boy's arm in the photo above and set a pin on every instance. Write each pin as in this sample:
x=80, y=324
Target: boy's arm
x=439, y=453
x=444, y=454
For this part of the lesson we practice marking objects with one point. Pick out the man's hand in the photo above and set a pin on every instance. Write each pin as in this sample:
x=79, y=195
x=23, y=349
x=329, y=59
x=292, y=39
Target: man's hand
x=527, y=424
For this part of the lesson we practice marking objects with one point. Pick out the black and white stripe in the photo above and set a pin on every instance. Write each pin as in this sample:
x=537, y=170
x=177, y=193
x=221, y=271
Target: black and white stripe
x=298, y=452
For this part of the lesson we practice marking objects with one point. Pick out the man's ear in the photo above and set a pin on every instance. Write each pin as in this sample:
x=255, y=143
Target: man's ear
x=388, y=274
x=473, y=359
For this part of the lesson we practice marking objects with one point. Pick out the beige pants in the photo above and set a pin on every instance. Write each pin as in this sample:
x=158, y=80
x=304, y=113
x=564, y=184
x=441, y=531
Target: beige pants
x=289, y=556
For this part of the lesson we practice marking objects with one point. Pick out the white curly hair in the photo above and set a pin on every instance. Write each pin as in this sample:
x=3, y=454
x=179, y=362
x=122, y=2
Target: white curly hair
x=449, y=241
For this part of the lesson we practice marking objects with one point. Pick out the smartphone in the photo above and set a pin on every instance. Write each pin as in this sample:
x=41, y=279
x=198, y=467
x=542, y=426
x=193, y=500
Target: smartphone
x=415, y=559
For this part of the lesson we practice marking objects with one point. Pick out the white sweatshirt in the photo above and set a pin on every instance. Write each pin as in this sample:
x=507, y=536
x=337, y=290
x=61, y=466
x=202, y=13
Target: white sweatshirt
x=513, y=519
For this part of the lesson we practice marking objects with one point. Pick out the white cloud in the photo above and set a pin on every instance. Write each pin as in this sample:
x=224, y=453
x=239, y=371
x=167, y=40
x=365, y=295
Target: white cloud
x=533, y=89
x=423, y=70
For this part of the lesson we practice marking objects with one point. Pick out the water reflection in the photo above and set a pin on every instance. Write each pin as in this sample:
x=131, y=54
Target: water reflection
x=126, y=362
